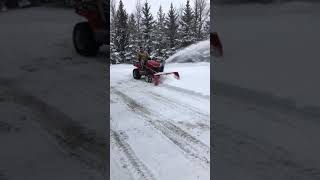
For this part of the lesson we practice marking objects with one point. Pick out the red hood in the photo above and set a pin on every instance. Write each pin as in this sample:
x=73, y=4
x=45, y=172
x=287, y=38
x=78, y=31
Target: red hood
x=153, y=63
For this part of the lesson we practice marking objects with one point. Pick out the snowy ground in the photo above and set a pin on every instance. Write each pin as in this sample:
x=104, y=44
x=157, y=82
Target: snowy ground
x=161, y=132
x=271, y=62
x=52, y=101
x=271, y=48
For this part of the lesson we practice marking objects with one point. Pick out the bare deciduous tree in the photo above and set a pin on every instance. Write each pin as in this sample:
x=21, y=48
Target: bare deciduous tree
x=138, y=14
x=201, y=13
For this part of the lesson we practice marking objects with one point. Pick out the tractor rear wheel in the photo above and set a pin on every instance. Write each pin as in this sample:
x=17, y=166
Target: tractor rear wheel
x=136, y=74
x=83, y=39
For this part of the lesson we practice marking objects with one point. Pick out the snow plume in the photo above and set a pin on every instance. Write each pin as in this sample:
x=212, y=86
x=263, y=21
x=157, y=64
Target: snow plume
x=198, y=52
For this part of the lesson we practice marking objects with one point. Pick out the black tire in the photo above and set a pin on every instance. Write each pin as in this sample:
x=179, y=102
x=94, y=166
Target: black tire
x=161, y=69
x=149, y=78
x=136, y=74
x=83, y=40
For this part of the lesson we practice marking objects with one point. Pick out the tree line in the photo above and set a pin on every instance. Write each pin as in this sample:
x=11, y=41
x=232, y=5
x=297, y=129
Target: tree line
x=162, y=35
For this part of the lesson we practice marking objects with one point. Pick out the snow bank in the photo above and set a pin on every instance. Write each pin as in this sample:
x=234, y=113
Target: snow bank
x=194, y=77
x=198, y=52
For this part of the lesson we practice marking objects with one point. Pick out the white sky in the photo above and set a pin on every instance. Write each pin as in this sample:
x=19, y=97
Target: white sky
x=129, y=5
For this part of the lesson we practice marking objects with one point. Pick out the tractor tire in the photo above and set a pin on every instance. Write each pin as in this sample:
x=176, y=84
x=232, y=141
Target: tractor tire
x=149, y=79
x=161, y=69
x=136, y=74
x=84, y=41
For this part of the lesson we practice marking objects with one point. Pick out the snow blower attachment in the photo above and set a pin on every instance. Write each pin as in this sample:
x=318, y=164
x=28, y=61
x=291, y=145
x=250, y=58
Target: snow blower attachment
x=152, y=70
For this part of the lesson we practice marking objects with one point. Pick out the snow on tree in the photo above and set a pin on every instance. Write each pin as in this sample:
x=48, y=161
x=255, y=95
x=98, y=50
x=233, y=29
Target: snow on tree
x=161, y=36
x=201, y=12
x=133, y=39
x=186, y=23
x=112, y=17
x=138, y=16
x=207, y=27
x=147, y=27
x=121, y=30
x=160, y=39
x=172, y=26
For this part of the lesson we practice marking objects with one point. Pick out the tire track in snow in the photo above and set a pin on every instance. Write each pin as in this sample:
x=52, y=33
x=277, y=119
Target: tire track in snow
x=184, y=108
x=202, y=116
x=186, y=91
x=2, y=177
x=265, y=158
x=190, y=145
x=76, y=140
x=130, y=84
x=139, y=170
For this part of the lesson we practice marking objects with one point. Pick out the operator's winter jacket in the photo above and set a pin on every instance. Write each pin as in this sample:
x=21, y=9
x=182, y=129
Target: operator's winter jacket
x=143, y=56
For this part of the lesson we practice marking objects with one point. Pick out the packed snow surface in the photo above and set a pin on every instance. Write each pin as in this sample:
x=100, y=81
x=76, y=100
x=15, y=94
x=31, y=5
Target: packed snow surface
x=160, y=132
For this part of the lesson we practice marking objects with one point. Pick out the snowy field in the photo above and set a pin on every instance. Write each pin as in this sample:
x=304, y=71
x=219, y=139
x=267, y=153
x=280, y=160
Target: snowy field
x=161, y=132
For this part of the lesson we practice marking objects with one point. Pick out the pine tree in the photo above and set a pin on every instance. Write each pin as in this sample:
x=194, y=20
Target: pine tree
x=133, y=36
x=206, y=30
x=172, y=26
x=160, y=45
x=147, y=27
x=121, y=30
x=132, y=28
x=186, y=23
x=112, y=20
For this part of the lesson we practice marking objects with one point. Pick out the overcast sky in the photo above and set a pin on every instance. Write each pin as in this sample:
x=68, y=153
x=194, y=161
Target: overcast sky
x=130, y=5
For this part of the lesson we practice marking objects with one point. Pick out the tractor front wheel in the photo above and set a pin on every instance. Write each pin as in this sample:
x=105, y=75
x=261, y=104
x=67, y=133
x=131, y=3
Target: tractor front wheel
x=149, y=78
x=83, y=39
x=136, y=74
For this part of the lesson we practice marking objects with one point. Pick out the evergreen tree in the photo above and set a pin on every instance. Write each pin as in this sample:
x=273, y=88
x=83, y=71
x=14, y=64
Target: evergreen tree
x=206, y=30
x=186, y=23
x=132, y=28
x=133, y=38
x=160, y=45
x=112, y=20
x=172, y=26
x=121, y=30
x=147, y=27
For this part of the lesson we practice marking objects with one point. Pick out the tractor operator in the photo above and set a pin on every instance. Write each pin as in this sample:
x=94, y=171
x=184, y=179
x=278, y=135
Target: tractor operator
x=143, y=57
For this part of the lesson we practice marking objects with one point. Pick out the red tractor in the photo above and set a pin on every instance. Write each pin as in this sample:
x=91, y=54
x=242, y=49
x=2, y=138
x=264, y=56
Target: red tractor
x=152, y=71
x=89, y=35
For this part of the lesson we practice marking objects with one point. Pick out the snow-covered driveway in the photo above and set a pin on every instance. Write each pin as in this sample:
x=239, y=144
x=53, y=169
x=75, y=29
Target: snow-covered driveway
x=52, y=100
x=160, y=132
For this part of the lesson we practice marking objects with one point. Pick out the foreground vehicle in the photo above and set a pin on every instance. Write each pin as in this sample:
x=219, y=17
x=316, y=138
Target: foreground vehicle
x=88, y=36
x=216, y=45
